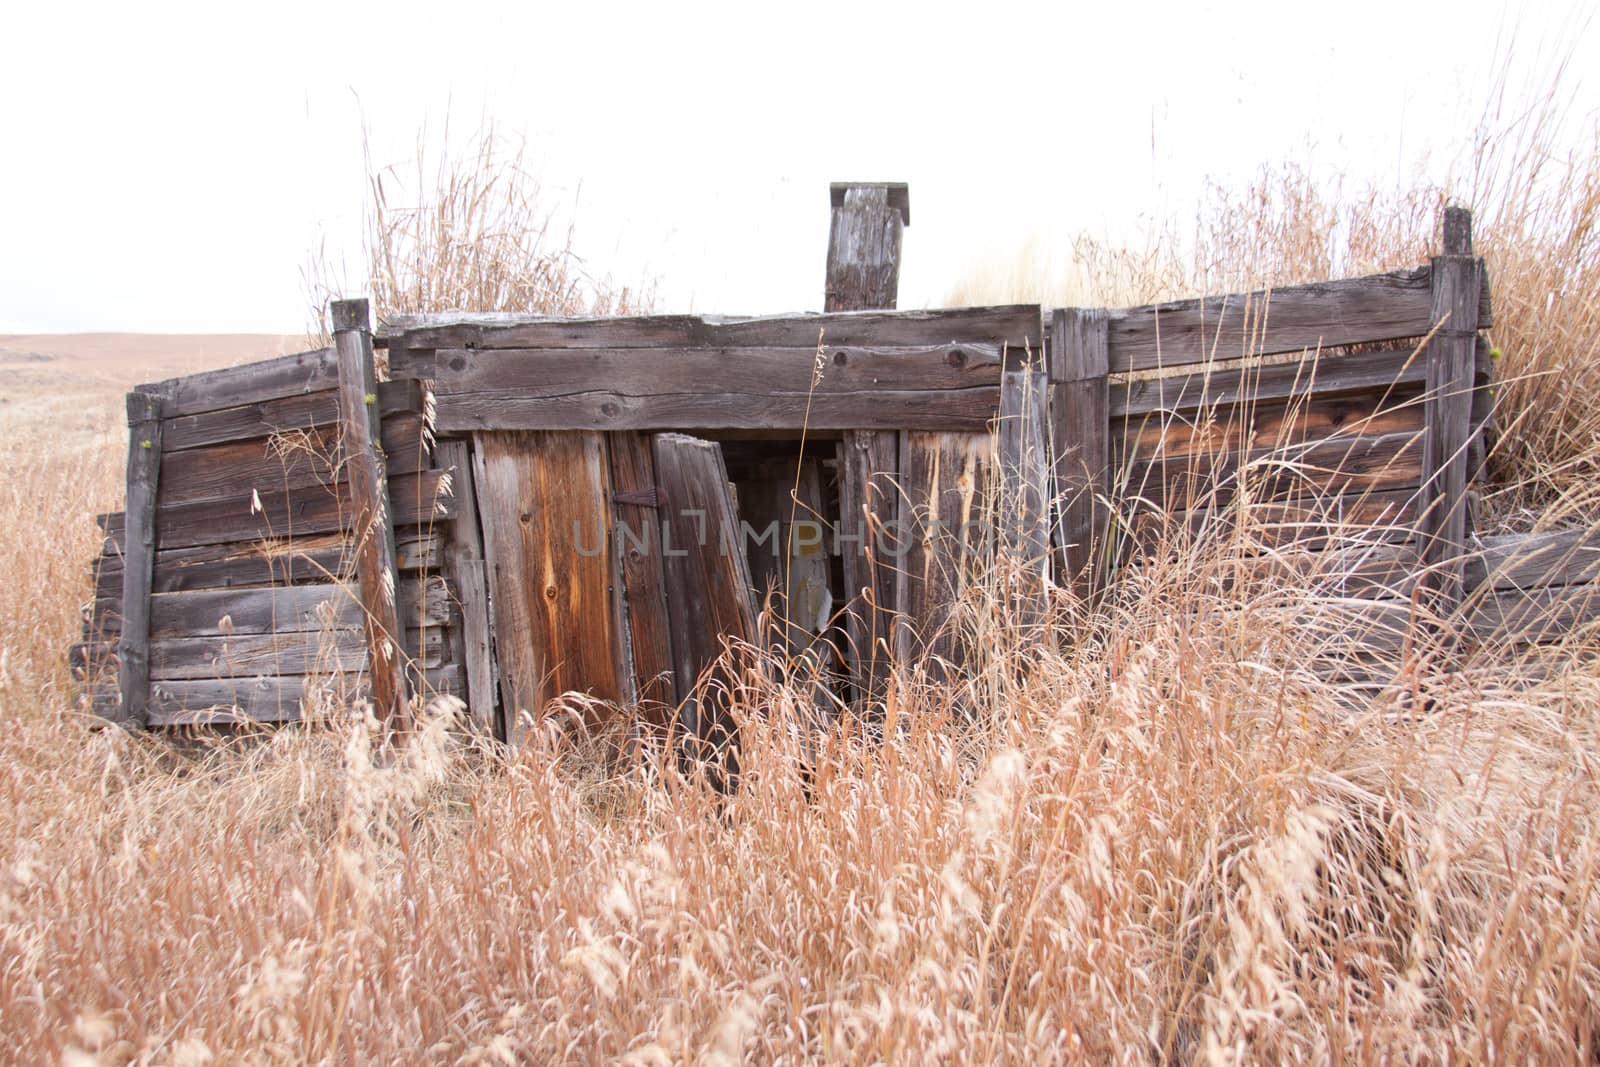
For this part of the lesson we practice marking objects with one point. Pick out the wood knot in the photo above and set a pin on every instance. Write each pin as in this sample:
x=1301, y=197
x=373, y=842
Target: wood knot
x=459, y=363
x=956, y=358
x=609, y=409
x=549, y=592
x=840, y=358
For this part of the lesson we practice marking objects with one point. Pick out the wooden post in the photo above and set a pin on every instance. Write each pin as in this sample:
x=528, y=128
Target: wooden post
x=1452, y=368
x=1080, y=430
x=139, y=555
x=379, y=577
x=864, y=274
x=467, y=570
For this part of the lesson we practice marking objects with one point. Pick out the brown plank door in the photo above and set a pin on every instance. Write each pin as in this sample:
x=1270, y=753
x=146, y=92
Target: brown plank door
x=711, y=612
x=545, y=500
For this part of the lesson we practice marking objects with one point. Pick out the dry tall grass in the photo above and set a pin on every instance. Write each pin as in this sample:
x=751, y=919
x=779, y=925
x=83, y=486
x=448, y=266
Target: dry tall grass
x=1175, y=839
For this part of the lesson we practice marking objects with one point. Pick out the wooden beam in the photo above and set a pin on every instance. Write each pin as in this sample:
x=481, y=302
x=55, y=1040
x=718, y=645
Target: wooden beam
x=864, y=246
x=698, y=406
x=369, y=489
x=266, y=609
x=1451, y=365
x=1402, y=370
x=1080, y=431
x=1015, y=325
x=863, y=273
x=145, y=411
x=468, y=575
x=281, y=416
x=252, y=383
x=1377, y=308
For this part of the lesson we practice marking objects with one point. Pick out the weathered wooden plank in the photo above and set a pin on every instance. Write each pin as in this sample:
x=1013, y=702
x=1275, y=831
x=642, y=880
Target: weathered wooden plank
x=1080, y=430
x=1451, y=356
x=373, y=525
x=1026, y=488
x=323, y=558
x=1312, y=523
x=1533, y=616
x=296, y=460
x=556, y=372
x=145, y=411
x=708, y=585
x=943, y=478
x=1355, y=570
x=604, y=409
x=468, y=576
x=1336, y=466
x=1376, y=308
x=1528, y=561
x=869, y=505
x=1270, y=425
x=545, y=503
x=285, y=415
x=252, y=383
x=418, y=499
x=265, y=700
x=864, y=245
x=1014, y=325
x=267, y=609
x=1403, y=370
x=638, y=526
x=248, y=655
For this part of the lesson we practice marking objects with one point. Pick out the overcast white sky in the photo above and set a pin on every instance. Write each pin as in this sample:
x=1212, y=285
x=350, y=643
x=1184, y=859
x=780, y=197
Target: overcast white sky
x=168, y=168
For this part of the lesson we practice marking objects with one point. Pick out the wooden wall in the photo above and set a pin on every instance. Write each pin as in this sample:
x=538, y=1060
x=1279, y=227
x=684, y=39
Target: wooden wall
x=252, y=600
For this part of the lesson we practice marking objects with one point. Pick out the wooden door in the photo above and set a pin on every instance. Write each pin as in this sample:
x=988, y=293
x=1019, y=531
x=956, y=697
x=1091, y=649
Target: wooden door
x=545, y=499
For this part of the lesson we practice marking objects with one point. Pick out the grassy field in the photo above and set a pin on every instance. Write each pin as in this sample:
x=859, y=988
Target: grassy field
x=1176, y=839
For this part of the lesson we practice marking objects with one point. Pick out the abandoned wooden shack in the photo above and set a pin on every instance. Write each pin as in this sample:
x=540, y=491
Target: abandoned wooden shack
x=510, y=508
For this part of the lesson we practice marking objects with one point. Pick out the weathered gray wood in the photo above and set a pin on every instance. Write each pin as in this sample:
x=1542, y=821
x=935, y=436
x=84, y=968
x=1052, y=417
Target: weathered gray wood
x=466, y=570
x=1014, y=325
x=145, y=412
x=556, y=372
x=869, y=504
x=545, y=503
x=707, y=583
x=252, y=383
x=267, y=609
x=1533, y=616
x=418, y=499
x=605, y=409
x=266, y=699
x=1023, y=508
x=943, y=481
x=296, y=460
x=324, y=558
x=643, y=592
x=1402, y=370
x=1376, y=308
x=1080, y=430
x=372, y=527
x=281, y=416
x=248, y=655
x=1528, y=561
x=864, y=245
x=1451, y=363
